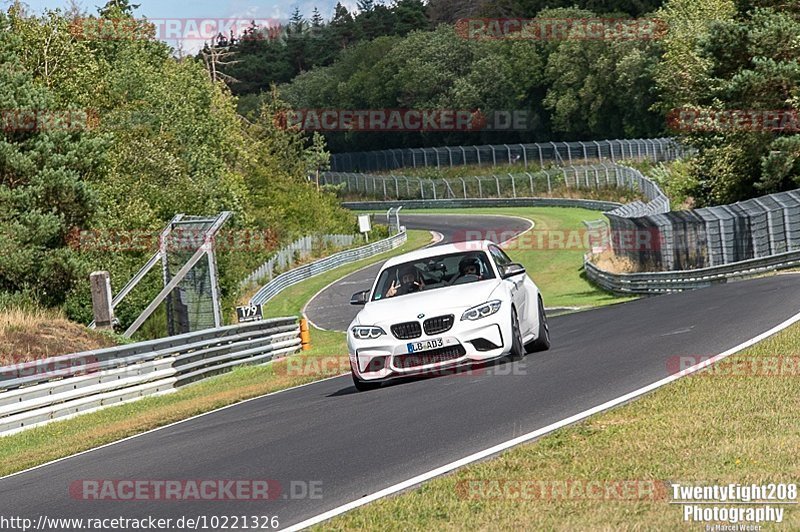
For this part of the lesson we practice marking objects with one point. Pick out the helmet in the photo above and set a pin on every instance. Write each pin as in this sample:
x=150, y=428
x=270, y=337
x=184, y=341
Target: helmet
x=408, y=269
x=468, y=261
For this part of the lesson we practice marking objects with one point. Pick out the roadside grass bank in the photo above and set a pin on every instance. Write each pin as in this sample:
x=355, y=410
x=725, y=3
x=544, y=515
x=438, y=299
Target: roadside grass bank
x=723, y=425
x=28, y=334
x=327, y=358
x=552, y=252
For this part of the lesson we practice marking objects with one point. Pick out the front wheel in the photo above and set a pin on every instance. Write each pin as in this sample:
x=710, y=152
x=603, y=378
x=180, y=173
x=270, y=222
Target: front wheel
x=542, y=342
x=364, y=386
x=517, y=347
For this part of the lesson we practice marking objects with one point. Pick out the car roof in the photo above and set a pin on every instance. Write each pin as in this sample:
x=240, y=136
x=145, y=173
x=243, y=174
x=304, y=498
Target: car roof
x=446, y=249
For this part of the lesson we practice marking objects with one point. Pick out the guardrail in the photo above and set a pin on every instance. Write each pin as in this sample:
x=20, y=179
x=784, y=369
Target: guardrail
x=302, y=248
x=596, y=205
x=297, y=275
x=38, y=392
x=680, y=280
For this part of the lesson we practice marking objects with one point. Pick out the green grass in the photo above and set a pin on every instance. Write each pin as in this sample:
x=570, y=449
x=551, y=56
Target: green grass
x=64, y=438
x=558, y=271
x=707, y=429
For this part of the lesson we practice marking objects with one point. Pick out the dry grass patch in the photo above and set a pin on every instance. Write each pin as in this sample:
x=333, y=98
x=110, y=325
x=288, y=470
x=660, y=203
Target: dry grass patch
x=27, y=335
x=611, y=262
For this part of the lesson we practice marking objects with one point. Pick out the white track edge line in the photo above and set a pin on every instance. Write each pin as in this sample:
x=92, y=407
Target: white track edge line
x=535, y=434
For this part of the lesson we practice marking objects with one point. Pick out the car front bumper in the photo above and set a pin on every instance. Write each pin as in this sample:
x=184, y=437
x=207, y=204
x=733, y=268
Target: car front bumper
x=468, y=342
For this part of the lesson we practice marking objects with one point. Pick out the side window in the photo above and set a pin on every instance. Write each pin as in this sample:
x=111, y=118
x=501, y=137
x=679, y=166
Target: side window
x=500, y=258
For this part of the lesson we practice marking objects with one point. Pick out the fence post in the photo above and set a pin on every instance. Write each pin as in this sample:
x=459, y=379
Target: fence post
x=464, y=185
x=478, y=154
x=585, y=155
x=513, y=185
x=101, y=300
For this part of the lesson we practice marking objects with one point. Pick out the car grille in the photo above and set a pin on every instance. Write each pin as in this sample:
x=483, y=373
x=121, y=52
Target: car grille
x=435, y=356
x=439, y=325
x=407, y=331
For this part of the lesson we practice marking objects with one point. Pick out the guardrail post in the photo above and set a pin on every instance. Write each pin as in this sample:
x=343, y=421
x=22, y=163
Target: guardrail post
x=101, y=300
x=305, y=335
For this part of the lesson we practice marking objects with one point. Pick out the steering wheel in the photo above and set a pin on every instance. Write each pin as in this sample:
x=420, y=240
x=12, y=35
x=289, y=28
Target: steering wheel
x=466, y=279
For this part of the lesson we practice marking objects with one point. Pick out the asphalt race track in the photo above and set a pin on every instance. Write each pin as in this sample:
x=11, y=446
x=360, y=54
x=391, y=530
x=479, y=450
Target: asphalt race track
x=352, y=444
x=331, y=310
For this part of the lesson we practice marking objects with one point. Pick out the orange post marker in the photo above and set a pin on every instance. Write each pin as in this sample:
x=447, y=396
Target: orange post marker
x=305, y=334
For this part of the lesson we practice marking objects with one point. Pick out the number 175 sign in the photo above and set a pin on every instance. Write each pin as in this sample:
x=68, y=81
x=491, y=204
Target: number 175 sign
x=249, y=313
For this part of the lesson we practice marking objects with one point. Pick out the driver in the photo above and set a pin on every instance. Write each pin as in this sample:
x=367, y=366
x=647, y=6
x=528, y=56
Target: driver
x=410, y=281
x=470, y=266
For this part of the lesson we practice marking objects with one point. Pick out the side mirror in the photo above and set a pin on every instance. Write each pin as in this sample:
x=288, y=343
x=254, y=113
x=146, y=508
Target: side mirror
x=360, y=298
x=513, y=269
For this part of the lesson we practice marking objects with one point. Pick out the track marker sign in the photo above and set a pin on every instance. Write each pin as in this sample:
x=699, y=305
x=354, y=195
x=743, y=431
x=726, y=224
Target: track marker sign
x=250, y=313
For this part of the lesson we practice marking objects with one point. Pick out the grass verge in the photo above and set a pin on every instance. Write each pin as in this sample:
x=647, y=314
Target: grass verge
x=552, y=252
x=327, y=358
x=717, y=427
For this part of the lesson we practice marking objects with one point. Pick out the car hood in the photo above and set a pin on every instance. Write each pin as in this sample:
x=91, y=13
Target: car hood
x=442, y=301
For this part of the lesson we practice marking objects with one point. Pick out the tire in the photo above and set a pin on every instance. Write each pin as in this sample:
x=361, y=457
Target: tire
x=364, y=386
x=517, y=347
x=542, y=342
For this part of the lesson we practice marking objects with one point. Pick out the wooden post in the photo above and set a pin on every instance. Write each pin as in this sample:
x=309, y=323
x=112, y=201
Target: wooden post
x=101, y=300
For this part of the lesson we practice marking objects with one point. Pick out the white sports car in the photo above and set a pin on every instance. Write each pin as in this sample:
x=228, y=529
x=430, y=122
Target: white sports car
x=443, y=307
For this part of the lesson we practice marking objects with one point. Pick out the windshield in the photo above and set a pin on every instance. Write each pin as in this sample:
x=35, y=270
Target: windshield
x=432, y=273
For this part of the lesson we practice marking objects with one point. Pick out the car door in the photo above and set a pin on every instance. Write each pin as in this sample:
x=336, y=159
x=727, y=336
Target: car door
x=517, y=282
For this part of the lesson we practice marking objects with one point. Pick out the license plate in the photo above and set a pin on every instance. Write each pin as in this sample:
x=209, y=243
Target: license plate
x=416, y=347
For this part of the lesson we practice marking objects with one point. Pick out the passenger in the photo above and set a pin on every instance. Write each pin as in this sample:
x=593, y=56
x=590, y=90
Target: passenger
x=410, y=281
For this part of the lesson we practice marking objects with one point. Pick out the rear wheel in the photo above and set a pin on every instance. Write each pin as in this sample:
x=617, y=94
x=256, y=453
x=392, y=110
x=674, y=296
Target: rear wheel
x=517, y=348
x=542, y=342
x=364, y=386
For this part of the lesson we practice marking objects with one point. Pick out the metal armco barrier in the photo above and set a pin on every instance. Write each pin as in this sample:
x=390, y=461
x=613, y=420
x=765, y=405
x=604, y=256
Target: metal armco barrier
x=297, y=275
x=680, y=280
x=34, y=393
x=595, y=205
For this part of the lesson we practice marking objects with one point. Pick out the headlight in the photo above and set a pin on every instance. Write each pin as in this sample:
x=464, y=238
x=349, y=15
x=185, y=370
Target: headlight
x=367, y=333
x=481, y=311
